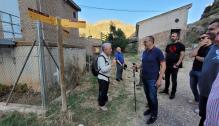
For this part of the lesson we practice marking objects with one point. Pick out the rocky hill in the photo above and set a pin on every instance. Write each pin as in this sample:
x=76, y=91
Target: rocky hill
x=94, y=30
x=210, y=13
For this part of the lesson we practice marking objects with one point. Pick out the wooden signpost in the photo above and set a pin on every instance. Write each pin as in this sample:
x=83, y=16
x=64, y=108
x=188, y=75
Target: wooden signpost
x=60, y=23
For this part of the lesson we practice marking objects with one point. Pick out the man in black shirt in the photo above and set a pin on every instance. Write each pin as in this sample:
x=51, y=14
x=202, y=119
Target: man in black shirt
x=198, y=53
x=175, y=53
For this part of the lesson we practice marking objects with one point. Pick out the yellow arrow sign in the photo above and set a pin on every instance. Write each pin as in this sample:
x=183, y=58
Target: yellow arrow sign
x=72, y=24
x=45, y=18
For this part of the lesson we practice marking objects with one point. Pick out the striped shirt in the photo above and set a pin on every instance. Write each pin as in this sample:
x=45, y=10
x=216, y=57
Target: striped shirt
x=212, y=115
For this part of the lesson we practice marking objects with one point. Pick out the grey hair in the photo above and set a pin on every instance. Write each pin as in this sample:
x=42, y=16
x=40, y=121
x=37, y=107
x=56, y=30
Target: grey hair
x=104, y=45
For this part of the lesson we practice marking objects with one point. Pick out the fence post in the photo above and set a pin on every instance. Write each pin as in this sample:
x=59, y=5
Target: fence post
x=42, y=65
x=61, y=67
x=12, y=27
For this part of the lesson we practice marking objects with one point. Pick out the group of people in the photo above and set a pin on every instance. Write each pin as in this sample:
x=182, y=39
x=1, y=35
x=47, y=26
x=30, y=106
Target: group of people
x=155, y=66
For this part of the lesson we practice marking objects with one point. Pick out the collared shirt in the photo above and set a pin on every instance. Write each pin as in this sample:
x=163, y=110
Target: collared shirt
x=104, y=67
x=151, y=60
x=210, y=70
x=119, y=56
x=212, y=111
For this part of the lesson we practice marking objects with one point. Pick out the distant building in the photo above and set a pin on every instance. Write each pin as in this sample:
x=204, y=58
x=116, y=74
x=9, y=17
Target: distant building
x=163, y=25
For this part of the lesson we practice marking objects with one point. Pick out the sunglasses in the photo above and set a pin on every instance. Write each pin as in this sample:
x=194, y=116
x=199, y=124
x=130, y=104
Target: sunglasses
x=173, y=36
x=201, y=38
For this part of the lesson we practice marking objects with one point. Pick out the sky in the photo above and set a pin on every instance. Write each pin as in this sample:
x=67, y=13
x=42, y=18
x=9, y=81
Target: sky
x=94, y=15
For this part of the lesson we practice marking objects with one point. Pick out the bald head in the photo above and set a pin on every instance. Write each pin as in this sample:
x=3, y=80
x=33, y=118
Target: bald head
x=118, y=49
x=148, y=41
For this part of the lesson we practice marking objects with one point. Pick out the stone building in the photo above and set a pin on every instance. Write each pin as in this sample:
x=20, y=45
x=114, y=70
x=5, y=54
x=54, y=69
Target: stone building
x=163, y=25
x=67, y=9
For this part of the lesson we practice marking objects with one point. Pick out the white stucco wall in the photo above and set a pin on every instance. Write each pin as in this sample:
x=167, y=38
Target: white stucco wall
x=163, y=23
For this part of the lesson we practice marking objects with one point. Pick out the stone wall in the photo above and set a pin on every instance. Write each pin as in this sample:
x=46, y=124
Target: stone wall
x=163, y=38
x=57, y=8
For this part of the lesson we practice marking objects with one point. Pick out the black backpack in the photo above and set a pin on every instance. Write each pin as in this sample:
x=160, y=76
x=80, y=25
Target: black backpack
x=94, y=66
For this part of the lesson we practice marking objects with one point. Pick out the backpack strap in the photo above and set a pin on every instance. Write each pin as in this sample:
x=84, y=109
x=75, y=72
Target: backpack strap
x=100, y=69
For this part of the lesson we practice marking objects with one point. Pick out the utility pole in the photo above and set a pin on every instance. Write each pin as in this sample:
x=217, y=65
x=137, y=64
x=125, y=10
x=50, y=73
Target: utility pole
x=61, y=66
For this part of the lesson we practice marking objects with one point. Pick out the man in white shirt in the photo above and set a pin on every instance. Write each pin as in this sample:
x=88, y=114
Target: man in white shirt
x=104, y=66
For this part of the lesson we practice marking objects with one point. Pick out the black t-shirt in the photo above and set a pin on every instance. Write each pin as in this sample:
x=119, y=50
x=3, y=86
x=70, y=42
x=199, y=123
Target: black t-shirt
x=202, y=52
x=173, y=53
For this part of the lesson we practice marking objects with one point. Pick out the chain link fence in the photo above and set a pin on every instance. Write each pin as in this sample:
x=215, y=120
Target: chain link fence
x=12, y=58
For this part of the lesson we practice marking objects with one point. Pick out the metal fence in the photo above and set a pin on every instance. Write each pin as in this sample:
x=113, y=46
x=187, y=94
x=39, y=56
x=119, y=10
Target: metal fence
x=28, y=88
x=9, y=26
x=27, y=73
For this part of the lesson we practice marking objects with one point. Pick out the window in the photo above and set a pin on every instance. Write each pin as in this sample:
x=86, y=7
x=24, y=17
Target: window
x=74, y=15
x=176, y=20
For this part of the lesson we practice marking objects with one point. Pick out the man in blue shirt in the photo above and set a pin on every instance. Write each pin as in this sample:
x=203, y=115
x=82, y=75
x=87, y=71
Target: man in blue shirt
x=209, y=72
x=153, y=68
x=119, y=63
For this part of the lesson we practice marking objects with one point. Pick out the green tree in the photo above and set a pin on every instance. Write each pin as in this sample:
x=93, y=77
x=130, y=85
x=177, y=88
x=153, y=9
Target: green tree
x=117, y=38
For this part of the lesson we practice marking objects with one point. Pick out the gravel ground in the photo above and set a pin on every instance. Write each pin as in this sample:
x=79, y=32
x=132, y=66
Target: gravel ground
x=176, y=112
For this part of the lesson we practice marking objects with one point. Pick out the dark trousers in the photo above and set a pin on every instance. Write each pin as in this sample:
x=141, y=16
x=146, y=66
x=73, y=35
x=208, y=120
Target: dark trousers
x=103, y=90
x=170, y=71
x=119, y=70
x=194, y=77
x=202, y=109
x=150, y=89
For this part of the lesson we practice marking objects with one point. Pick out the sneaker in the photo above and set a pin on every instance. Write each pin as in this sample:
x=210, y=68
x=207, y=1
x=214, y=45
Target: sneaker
x=103, y=108
x=196, y=111
x=172, y=96
x=164, y=92
x=117, y=80
x=147, y=112
x=152, y=120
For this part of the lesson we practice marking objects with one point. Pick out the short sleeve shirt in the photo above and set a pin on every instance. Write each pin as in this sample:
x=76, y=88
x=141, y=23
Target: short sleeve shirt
x=173, y=51
x=151, y=60
x=119, y=56
x=202, y=52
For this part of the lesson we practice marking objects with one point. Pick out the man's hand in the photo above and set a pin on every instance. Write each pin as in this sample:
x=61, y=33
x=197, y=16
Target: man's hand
x=202, y=43
x=175, y=66
x=113, y=62
x=158, y=83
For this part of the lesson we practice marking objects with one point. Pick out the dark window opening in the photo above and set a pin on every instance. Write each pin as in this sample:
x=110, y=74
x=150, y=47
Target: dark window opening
x=74, y=15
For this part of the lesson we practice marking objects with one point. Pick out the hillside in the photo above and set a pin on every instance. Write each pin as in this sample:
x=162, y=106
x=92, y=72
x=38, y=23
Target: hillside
x=210, y=13
x=94, y=30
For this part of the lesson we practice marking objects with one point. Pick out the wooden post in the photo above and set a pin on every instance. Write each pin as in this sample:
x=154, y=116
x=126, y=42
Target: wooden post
x=61, y=66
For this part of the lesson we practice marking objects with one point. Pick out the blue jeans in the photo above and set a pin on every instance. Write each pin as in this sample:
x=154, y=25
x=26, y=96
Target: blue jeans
x=150, y=89
x=194, y=77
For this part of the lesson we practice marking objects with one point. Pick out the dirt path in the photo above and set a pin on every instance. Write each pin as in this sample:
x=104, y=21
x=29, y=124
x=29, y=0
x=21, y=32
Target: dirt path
x=177, y=112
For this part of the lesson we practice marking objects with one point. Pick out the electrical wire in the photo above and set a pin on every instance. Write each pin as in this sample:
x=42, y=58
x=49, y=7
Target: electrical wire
x=119, y=10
